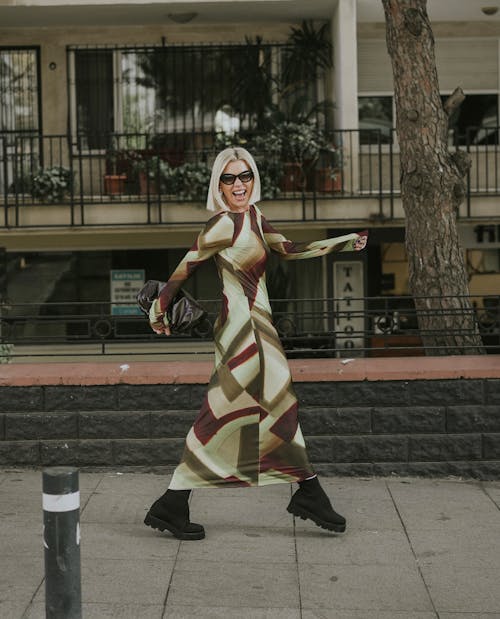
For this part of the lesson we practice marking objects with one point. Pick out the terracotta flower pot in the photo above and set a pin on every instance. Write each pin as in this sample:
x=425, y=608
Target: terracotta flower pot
x=147, y=186
x=327, y=181
x=114, y=184
x=292, y=179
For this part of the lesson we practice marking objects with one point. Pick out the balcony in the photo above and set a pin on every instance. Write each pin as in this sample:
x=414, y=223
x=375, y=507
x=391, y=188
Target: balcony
x=141, y=180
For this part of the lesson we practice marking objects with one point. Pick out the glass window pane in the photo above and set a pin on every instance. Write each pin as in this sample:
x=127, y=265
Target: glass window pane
x=19, y=90
x=94, y=96
x=475, y=121
x=375, y=119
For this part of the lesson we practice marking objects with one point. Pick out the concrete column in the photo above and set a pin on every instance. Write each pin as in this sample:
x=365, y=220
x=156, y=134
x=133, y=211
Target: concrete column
x=345, y=87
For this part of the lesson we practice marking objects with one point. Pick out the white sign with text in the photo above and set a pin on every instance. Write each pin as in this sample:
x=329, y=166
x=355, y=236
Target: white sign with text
x=348, y=286
x=125, y=284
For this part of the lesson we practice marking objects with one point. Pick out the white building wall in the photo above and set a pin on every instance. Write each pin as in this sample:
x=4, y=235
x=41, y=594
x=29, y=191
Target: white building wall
x=471, y=63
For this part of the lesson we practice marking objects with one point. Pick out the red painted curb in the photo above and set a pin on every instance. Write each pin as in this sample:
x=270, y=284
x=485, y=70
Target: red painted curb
x=303, y=370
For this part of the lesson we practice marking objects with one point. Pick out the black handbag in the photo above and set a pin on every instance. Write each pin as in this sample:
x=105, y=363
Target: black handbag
x=184, y=313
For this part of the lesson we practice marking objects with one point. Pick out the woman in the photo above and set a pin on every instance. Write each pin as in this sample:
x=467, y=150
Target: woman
x=246, y=433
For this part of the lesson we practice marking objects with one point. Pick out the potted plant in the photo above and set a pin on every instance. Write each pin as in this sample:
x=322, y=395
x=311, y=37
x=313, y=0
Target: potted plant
x=327, y=173
x=51, y=185
x=301, y=145
x=114, y=177
x=151, y=172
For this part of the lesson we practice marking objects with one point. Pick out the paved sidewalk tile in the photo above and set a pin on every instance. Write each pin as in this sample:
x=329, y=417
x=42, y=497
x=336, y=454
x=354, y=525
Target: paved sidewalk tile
x=20, y=576
x=240, y=543
x=414, y=549
x=361, y=587
x=429, y=504
x=362, y=614
x=106, y=540
x=469, y=615
x=357, y=547
x=478, y=549
x=492, y=489
x=462, y=589
x=105, y=611
x=195, y=612
x=115, y=508
x=250, y=509
x=112, y=581
x=146, y=484
x=231, y=584
x=13, y=610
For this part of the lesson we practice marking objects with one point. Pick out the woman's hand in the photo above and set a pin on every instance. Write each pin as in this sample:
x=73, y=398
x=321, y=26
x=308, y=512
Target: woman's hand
x=158, y=320
x=360, y=242
x=160, y=329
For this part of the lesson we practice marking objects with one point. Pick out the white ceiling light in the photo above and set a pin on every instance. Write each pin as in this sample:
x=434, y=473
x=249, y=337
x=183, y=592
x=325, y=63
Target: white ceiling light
x=489, y=10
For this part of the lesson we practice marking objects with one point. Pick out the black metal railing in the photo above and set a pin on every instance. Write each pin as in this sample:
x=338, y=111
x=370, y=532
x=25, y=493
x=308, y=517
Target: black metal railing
x=327, y=327
x=147, y=174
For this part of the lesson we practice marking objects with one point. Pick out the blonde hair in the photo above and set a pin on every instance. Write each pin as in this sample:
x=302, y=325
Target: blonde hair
x=214, y=198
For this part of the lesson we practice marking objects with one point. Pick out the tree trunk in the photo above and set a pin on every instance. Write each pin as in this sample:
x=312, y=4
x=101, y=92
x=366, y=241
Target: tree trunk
x=432, y=185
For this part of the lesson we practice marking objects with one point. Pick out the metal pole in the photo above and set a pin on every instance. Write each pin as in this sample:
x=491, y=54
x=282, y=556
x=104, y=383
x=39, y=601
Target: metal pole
x=61, y=540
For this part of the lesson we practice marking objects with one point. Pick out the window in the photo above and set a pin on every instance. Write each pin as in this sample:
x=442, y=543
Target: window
x=475, y=121
x=94, y=96
x=19, y=116
x=19, y=90
x=375, y=119
x=180, y=89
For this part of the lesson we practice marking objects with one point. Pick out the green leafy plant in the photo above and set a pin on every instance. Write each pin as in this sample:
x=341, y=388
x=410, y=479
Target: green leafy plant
x=302, y=144
x=189, y=181
x=51, y=185
x=266, y=149
x=153, y=170
x=5, y=353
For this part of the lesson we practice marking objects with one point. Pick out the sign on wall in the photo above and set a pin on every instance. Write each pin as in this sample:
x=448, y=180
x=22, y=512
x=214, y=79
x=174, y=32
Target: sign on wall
x=480, y=236
x=348, y=290
x=125, y=284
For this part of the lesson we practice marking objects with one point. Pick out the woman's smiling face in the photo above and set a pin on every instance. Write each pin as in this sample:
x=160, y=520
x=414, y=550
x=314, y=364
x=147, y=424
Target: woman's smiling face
x=237, y=196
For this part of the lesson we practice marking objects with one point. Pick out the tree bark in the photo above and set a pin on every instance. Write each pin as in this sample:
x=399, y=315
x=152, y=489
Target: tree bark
x=432, y=185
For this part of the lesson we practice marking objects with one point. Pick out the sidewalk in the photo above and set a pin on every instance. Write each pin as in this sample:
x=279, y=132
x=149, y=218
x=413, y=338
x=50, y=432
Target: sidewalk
x=414, y=549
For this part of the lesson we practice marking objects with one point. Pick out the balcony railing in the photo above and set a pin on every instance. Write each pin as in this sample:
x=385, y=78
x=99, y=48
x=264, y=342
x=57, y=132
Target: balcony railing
x=54, y=180
x=364, y=327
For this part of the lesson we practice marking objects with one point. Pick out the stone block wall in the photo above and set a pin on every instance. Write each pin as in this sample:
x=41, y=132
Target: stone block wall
x=381, y=427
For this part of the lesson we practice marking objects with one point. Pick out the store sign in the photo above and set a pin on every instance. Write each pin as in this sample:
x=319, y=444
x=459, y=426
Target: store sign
x=480, y=236
x=125, y=284
x=349, y=304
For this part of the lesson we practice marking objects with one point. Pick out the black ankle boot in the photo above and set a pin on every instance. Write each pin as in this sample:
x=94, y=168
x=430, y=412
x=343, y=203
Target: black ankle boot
x=171, y=512
x=310, y=501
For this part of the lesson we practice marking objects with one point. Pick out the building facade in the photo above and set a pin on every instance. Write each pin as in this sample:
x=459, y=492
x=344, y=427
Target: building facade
x=111, y=113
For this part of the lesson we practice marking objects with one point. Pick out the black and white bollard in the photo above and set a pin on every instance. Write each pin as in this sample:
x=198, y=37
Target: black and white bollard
x=61, y=540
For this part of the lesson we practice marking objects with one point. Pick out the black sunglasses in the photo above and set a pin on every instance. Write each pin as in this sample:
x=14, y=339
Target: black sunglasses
x=230, y=179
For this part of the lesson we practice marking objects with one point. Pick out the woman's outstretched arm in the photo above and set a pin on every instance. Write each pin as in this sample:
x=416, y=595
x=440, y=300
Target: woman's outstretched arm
x=289, y=250
x=215, y=236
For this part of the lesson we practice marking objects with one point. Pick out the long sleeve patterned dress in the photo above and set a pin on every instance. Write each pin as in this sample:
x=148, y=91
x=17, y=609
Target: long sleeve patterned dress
x=247, y=432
